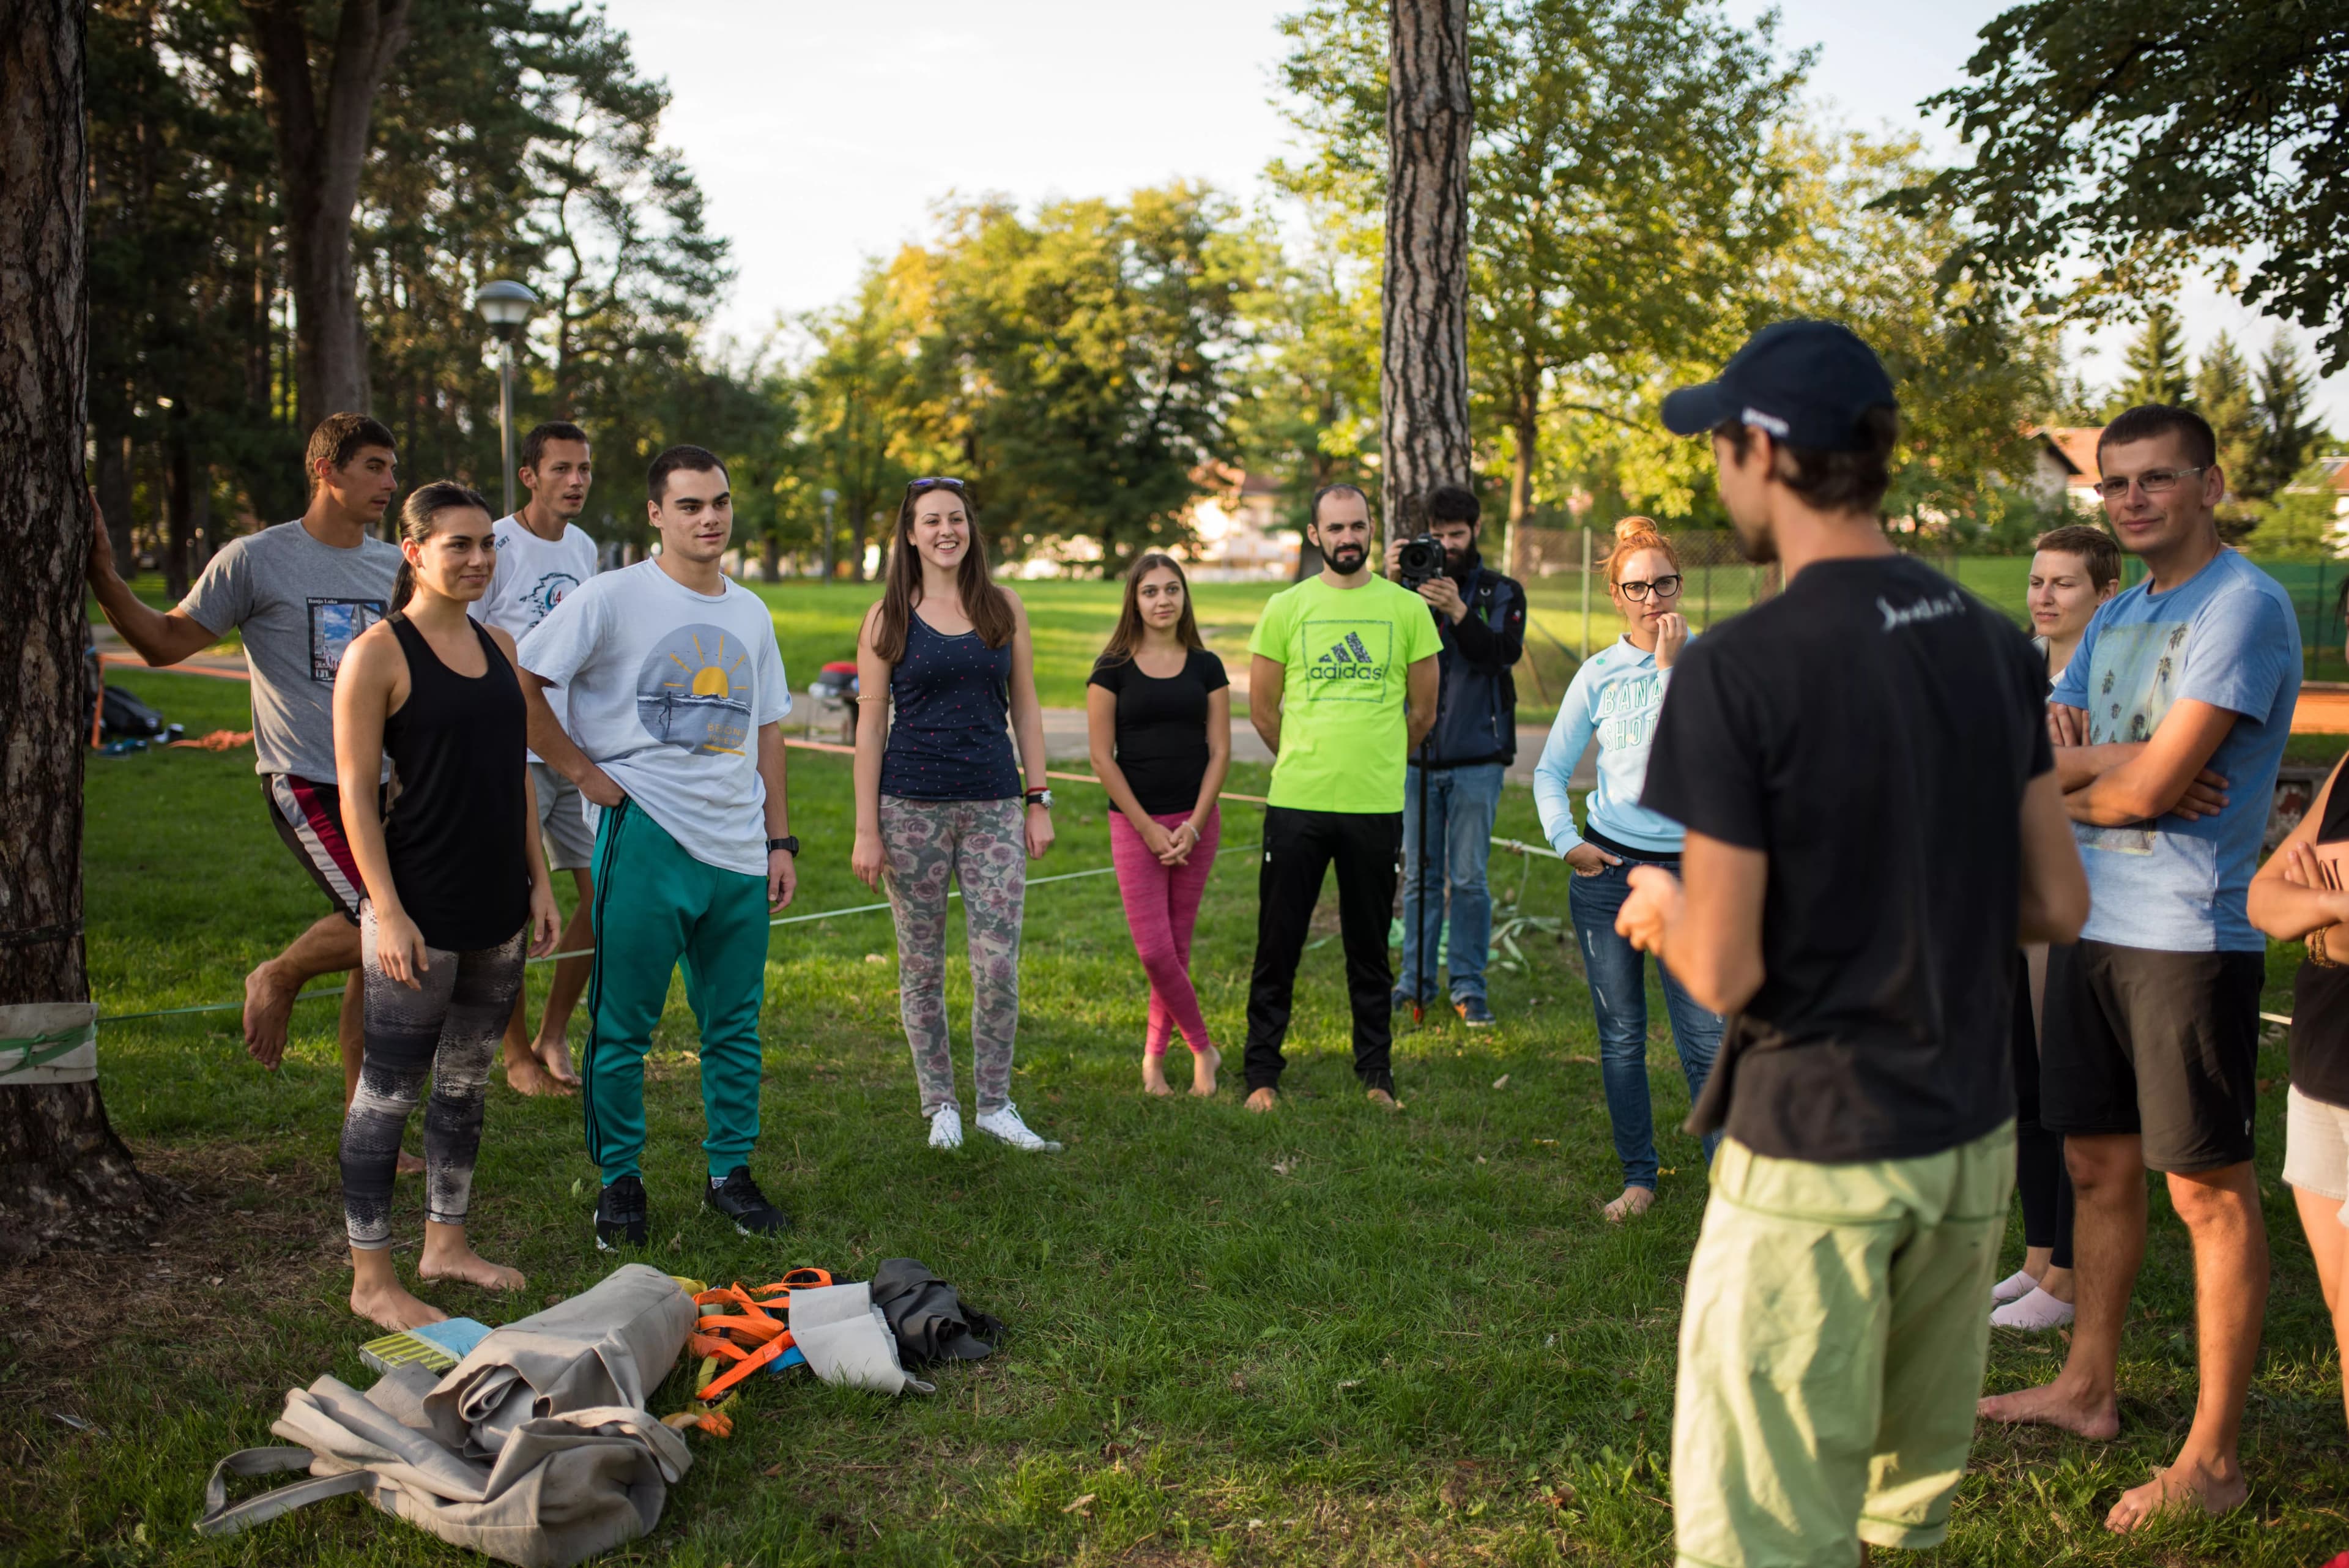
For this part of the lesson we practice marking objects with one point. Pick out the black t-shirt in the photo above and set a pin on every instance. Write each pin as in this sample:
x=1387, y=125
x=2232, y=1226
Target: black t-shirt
x=1872, y=730
x=1162, y=728
x=2319, y=996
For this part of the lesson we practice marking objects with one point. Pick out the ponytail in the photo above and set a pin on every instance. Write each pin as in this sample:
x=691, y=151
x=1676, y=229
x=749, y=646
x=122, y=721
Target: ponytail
x=417, y=518
x=1634, y=535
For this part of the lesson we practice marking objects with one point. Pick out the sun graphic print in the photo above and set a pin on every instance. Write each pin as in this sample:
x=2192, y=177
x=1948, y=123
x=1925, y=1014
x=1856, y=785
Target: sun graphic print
x=694, y=691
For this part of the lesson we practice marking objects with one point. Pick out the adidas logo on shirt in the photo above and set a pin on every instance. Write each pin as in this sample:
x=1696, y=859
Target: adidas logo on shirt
x=1348, y=660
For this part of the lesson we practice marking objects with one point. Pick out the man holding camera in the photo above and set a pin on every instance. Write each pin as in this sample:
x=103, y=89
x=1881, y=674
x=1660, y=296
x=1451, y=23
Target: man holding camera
x=1454, y=787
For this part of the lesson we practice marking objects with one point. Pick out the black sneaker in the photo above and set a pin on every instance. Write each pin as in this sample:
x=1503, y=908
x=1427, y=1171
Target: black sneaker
x=620, y=1215
x=739, y=1198
x=1473, y=1013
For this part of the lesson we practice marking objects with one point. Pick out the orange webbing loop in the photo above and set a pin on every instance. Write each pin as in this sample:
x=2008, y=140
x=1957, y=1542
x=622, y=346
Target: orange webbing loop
x=743, y=1368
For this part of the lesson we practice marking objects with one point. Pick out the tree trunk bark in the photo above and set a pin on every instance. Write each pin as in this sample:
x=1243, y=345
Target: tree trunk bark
x=1527, y=426
x=1423, y=348
x=179, y=534
x=321, y=147
x=64, y=1176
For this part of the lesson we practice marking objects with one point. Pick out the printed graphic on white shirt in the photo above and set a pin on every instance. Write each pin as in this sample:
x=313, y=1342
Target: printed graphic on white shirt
x=2132, y=681
x=1353, y=665
x=335, y=624
x=541, y=596
x=693, y=691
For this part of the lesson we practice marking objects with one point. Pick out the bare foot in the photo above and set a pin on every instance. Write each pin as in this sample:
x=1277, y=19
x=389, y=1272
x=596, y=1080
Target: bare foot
x=1383, y=1099
x=2186, y=1484
x=408, y=1164
x=460, y=1261
x=556, y=1056
x=1263, y=1099
x=1203, y=1071
x=1154, y=1072
x=268, y=1004
x=526, y=1074
x=1634, y=1202
x=2055, y=1404
x=392, y=1307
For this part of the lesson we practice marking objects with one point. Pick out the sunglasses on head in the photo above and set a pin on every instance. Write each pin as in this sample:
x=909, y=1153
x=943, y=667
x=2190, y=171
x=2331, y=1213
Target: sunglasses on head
x=935, y=480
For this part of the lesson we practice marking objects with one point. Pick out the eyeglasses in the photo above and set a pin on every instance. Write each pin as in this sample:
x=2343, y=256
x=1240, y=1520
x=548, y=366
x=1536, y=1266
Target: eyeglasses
x=2153, y=482
x=937, y=479
x=1667, y=587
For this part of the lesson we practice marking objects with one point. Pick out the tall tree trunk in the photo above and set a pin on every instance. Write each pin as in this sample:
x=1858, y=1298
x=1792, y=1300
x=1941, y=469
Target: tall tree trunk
x=1423, y=348
x=1525, y=424
x=179, y=512
x=64, y=1176
x=114, y=492
x=321, y=147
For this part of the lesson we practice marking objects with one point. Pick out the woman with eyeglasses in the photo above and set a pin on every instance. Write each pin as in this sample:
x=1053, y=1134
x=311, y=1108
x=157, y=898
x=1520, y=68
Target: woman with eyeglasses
x=1614, y=698
x=946, y=660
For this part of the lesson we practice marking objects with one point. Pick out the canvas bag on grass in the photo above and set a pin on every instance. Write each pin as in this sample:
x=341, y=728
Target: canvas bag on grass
x=536, y=1449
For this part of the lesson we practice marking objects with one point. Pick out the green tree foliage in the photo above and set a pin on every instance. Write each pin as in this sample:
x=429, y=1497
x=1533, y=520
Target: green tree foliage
x=1621, y=184
x=2286, y=431
x=2144, y=137
x=858, y=429
x=1076, y=363
x=511, y=139
x=2155, y=368
x=2222, y=394
x=2303, y=522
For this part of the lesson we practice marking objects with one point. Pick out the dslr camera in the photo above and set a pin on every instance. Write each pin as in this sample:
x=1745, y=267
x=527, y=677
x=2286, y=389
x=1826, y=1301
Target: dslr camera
x=1420, y=560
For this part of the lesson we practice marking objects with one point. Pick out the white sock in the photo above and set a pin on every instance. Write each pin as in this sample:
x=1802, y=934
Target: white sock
x=2013, y=1288
x=2034, y=1313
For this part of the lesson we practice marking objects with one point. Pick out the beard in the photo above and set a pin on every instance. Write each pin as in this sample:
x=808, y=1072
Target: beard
x=1347, y=559
x=1757, y=545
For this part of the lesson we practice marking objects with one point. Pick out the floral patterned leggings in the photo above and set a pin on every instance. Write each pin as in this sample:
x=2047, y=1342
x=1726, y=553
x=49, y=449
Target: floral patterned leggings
x=983, y=844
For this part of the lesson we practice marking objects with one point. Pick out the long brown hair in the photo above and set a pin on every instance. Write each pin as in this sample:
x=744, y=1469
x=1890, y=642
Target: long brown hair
x=1128, y=635
x=419, y=516
x=1634, y=535
x=988, y=607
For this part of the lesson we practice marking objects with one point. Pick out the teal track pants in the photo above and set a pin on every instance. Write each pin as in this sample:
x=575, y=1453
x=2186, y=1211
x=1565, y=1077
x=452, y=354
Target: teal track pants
x=658, y=906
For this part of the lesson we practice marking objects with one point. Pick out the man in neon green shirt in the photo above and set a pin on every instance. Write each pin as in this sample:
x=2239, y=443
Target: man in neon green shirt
x=1341, y=685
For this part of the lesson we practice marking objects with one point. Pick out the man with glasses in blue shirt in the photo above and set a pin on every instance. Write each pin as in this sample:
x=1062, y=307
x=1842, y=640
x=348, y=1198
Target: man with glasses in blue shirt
x=2170, y=722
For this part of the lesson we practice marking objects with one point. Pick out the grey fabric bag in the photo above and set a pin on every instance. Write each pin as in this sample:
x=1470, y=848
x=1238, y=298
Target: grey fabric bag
x=536, y=1449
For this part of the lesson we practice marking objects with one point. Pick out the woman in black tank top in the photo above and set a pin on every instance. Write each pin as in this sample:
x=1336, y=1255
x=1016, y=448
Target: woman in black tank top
x=457, y=889
x=2302, y=894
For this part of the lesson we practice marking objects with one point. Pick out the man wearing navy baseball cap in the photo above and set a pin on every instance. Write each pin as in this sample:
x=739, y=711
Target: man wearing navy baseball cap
x=1862, y=764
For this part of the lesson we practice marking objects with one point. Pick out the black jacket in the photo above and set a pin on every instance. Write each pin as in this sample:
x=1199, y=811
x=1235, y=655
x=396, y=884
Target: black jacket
x=1476, y=706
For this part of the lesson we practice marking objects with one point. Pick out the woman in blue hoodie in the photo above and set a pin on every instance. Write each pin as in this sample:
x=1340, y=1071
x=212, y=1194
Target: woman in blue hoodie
x=1615, y=697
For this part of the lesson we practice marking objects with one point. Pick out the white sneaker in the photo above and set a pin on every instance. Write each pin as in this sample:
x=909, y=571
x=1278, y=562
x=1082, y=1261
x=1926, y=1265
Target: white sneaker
x=1005, y=1125
x=945, y=1128
x=2013, y=1288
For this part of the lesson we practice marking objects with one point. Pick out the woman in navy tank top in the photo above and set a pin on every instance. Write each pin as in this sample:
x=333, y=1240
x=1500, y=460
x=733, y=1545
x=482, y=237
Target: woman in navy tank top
x=456, y=889
x=946, y=665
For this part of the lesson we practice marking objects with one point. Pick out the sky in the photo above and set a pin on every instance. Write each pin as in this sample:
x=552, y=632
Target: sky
x=826, y=134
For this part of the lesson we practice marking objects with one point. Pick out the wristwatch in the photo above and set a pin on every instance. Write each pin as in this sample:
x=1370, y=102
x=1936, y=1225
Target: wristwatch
x=789, y=843
x=1042, y=797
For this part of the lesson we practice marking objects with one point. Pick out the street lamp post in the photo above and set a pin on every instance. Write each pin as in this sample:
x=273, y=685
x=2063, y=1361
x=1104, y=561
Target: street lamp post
x=829, y=496
x=505, y=306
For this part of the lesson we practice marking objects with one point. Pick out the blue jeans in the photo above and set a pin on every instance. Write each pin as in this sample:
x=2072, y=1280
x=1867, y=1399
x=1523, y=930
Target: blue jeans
x=1463, y=802
x=1619, y=994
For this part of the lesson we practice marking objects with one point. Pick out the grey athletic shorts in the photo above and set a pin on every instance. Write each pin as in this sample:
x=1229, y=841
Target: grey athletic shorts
x=561, y=819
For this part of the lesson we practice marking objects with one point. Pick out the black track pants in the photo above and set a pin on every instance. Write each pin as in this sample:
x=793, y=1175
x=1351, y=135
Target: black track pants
x=1299, y=847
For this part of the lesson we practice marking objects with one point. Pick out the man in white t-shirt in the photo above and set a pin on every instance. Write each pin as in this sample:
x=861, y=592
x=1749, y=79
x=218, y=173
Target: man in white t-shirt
x=674, y=732
x=542, y=555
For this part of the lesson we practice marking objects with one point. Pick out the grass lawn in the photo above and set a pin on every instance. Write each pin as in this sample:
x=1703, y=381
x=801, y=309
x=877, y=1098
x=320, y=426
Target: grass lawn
x=1327, y=1335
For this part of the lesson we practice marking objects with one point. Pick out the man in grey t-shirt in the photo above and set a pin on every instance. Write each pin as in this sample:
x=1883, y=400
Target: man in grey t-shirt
x=299, y=593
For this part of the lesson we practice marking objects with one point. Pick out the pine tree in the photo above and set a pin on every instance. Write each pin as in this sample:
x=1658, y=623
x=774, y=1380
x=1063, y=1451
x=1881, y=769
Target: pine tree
x=2156, y=363
x=2286, y=431
x=2222, y=394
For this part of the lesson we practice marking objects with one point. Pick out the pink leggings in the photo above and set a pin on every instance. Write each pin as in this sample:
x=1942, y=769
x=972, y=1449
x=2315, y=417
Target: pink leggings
x=1162, y=905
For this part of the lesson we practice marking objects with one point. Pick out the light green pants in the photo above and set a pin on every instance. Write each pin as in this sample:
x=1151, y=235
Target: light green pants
x=656, y=908
x=1832, y=1347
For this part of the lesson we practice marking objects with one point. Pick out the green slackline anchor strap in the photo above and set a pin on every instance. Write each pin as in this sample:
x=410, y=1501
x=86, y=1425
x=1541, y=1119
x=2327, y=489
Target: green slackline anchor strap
x=49, y=1043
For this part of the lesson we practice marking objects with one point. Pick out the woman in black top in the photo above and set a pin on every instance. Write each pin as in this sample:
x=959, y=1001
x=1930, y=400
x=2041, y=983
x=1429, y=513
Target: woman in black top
x=2300, y=895
x=1159, y=715
x=456, y=888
